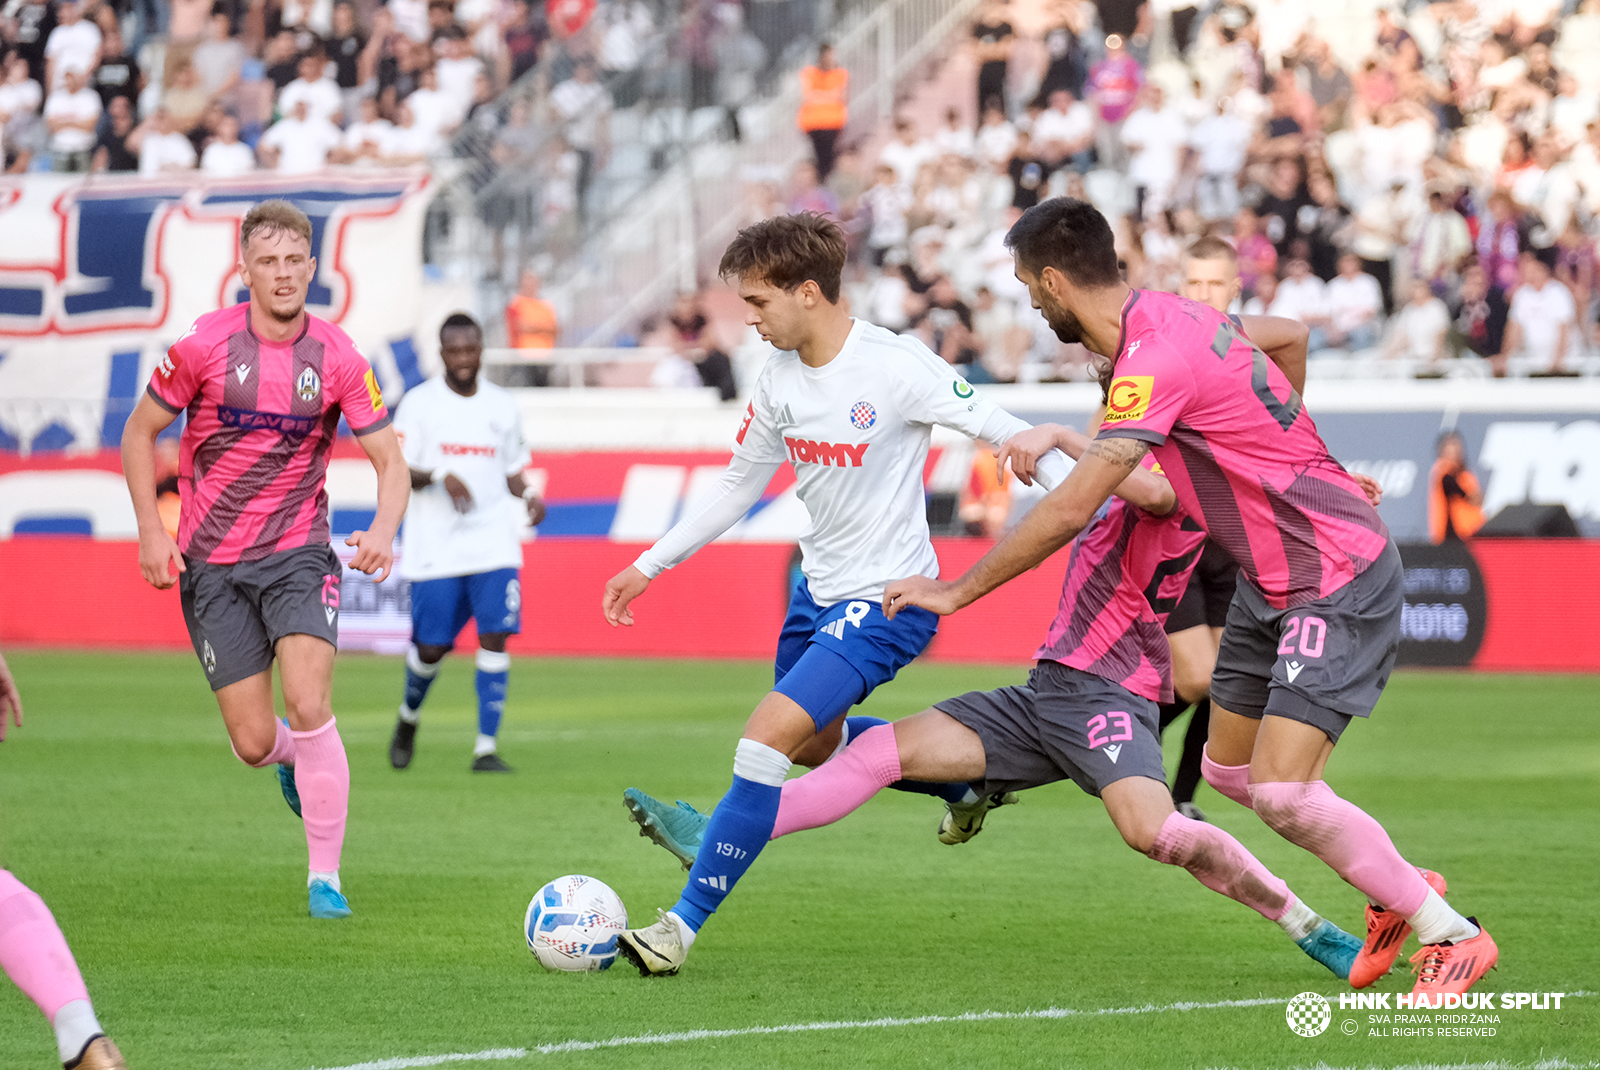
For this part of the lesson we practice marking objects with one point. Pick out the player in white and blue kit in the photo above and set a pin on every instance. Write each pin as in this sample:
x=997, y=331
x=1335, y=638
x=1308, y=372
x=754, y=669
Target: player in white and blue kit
x=462, y=542
x=851, y=406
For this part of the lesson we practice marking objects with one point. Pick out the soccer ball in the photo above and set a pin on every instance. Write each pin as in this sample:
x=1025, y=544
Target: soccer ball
x=572, y=924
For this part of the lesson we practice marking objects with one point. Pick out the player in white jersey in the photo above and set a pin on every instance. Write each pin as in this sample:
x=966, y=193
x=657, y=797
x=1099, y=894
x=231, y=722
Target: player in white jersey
x=851, y=406
x=462, y=542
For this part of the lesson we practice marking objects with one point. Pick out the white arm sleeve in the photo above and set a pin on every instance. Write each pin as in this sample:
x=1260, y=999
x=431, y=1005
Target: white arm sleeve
x=739, y=488
x=1000, y=425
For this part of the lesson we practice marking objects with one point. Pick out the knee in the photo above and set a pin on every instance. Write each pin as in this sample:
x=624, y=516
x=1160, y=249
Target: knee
x=1191, y=685
x=1231, y=781
x=252, y=752
x=1283, y=806
x=429, y=654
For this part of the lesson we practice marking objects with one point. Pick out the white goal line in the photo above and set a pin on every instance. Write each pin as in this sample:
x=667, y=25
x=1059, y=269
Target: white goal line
x=501, y=1054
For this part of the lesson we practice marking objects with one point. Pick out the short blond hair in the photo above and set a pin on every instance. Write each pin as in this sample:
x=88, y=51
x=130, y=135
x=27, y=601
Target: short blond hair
x=269, y=216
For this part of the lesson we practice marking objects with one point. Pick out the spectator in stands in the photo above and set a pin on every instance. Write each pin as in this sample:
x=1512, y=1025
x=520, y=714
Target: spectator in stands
x=117, y=74
x=996, y=139
x=1304, y=297
x=345, y=46
x=886, y=203
x=1325, y=225
x=807, y=195
x=1577, y=268
x=21, y=100
x=364, y=141
x=994, y=39
x=161, y=146
x=406, y=144
x=220, y=59
x=824, y=96
x=1540, y=324
x=315, y=88
x=1455, y=502
x=1280, y=204
x=1029, y=173
x=1419, y=329
x=1443, y=243
x=691, y=337
x=1383, y=229
x=226, y=156
x=1068, y=67
x=313, y=16
x=1355, y=307
x=1154, y=136
x=281, y=59
x=955, y=137
x=1257, y=256
x=72, y=113
x=1478, y=315
x=1264, y=302
x=584, y=109
x=530, y=320
x=907, y=152
x=525, y=33
x=1329, y=85
x=1064, y=133
x=185, y=100
x=457, y=69
x=1114, y=86
x=1220, y=144
x=74, y=43
x=111, y=152
x=298, y=144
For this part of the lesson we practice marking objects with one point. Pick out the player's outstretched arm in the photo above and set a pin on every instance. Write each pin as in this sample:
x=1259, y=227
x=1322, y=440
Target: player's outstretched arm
x=1285, y=341
x=1049, y=526
x=159, y=558
x=10, y=698
x=1143, y=488
x=623, y=588
x=375, y=546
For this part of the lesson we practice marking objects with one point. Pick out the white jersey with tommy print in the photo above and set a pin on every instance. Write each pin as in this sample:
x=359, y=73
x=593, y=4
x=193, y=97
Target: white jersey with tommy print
x=857, y=431
x=479, y=438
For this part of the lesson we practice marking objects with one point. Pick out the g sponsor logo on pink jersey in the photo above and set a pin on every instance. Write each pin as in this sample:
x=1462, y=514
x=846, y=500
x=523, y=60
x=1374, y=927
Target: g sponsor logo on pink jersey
x=1129, y=397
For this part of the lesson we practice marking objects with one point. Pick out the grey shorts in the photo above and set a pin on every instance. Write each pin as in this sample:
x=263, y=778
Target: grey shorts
x=1321, y=663
x=237, y=613
x=1063, y=723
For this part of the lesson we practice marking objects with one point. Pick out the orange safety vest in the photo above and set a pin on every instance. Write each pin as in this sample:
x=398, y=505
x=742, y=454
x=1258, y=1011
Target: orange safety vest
x=1464, y=517
x=530, y=323
x=824, y=95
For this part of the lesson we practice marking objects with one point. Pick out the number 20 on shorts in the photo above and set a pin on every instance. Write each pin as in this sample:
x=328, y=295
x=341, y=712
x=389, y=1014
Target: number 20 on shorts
x=1312, y=631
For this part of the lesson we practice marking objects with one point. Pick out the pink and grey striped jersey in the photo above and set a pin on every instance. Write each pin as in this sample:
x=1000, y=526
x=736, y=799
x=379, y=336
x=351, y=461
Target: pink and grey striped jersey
x=1240, y=449
x=262, y=418
x=1126, y=572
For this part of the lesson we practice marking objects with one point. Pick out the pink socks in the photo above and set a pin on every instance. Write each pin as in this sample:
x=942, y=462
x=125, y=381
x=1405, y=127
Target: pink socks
x=841, y=784
x=282, y=748
x=1345, y=837
x=322, y=775
x=33, y=951
x=1221, y=863
x=1230, y=780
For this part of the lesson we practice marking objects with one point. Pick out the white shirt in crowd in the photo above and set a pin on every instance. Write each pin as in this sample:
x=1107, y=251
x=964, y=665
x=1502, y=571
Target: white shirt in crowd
x=1419, y=330
x=226, y=159
x=479, y=438
x=322, y=97
x=1068, y=127
x=1160, y=137
x=1542, y=314
x=376, y=133
x=857, y=432
x=580, y=105
x=1301, y=299
x=79, y=106
x=995, y=143
x=303, y=144
x=77, y=46
x=906, y=160
x=1222, y=143
x=458, y=80
x=165, y=152
x=1353, y=301
x=19, y=97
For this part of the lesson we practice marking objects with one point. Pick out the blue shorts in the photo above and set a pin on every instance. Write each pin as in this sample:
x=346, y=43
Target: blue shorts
x=830, y=659
x=440, y=608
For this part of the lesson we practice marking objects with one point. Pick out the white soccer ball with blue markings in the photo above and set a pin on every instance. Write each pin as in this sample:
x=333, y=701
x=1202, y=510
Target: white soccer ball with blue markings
x=573, y=923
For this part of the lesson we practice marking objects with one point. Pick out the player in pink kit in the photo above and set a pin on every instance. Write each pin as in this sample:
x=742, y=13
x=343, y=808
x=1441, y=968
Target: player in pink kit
x=264, y=384
x=1314, y=626
x=36, y=957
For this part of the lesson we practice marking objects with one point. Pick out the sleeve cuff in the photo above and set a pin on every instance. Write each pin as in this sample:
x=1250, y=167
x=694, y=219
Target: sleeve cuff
x=1143, y=434
x=376, y=425
x=649, y=567
x=159, y=400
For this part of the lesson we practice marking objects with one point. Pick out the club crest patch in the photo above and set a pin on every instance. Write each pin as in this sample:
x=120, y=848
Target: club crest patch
x=863, y=415
x=309, y=385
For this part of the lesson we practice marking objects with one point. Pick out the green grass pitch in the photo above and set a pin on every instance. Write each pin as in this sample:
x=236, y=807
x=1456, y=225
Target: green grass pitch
x=178, y=876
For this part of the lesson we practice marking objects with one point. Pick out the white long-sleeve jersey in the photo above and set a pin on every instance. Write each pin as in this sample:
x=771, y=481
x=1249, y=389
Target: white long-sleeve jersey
x=857, y=432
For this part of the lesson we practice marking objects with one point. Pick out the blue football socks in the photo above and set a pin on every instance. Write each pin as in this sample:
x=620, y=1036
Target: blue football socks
x=419, y=677
x=740, y=827
x=494, y=672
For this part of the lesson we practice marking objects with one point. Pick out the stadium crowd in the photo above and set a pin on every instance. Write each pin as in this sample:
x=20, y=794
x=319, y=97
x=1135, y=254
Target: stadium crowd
x=1434, y=202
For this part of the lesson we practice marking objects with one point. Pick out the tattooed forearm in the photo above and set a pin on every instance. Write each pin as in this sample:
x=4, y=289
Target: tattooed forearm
x=1121, y=452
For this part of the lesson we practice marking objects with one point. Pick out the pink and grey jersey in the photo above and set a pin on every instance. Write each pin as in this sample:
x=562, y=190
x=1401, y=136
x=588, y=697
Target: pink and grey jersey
x=262, y=418
x=1240, y=450
x=1127, y=571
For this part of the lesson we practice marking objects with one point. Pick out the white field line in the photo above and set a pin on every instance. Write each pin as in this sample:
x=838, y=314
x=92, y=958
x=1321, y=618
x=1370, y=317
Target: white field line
x=500, y=1054
x=504, y=1054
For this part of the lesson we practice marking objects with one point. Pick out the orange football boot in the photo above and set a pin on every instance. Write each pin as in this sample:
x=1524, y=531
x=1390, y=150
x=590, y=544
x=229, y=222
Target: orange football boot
x=1386, y=932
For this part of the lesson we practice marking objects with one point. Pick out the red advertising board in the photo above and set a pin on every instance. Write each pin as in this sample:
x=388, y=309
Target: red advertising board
x=727, y=602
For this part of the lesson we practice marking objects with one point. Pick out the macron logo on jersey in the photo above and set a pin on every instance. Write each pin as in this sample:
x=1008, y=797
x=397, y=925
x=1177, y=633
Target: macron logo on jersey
x=838, y=454
x=456, y=449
